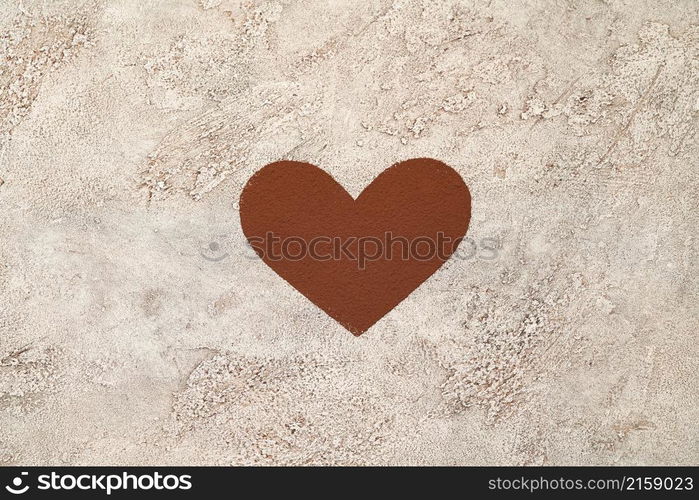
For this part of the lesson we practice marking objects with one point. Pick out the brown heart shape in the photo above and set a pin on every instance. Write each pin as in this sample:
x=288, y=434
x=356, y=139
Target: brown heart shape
x=355, y=259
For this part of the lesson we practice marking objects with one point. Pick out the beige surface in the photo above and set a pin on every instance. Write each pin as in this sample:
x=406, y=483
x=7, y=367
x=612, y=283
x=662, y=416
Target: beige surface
x=127, y=130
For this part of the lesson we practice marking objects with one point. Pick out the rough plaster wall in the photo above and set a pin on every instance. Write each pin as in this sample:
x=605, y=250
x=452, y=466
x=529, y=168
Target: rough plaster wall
x=128, y=128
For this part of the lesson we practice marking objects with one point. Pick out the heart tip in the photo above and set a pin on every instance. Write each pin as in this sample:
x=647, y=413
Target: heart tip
x=357, y=330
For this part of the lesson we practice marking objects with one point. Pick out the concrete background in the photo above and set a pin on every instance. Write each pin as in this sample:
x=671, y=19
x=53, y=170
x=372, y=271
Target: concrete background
x=135, y=328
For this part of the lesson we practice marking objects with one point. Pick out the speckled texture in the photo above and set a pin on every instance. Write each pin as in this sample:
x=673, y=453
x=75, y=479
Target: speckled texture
x=127, y=130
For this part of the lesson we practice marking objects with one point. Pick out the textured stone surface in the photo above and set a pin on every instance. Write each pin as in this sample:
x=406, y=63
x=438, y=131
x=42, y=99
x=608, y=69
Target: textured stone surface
x=127, y=130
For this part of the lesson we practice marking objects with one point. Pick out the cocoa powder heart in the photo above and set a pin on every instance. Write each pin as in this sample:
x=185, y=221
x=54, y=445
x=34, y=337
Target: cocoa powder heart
x=355, y=259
